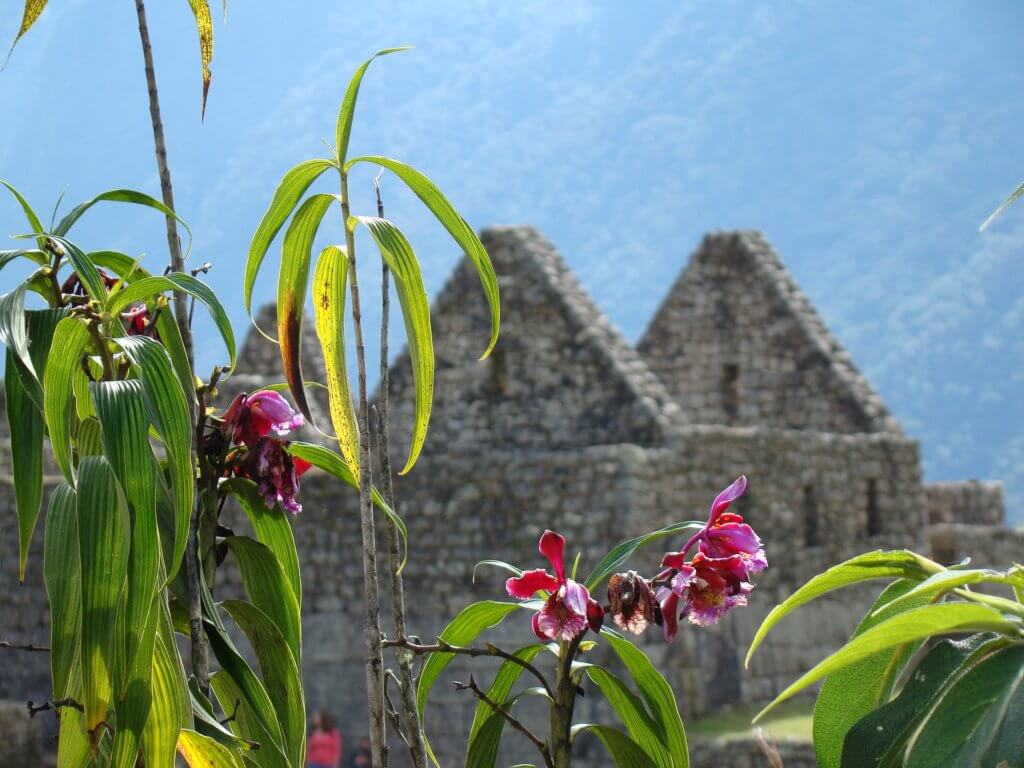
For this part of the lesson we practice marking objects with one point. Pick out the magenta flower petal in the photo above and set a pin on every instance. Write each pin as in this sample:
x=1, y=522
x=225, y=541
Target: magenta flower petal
x=727, y=497
x=273, y=412
x=595, y=615
x=575, y=597
x=557, y=621
x=535, y=623
x=531, y=582
x=669, y=602
x=552, y=546
x=683, y=579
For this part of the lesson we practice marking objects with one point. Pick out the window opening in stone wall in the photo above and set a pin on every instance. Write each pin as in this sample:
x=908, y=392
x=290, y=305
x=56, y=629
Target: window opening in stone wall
x=731, y=390
x=874, y=515
x=812, y=535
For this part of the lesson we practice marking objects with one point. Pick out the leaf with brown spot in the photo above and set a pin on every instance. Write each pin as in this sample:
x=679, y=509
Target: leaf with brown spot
x=204, y=26
x=33, y=10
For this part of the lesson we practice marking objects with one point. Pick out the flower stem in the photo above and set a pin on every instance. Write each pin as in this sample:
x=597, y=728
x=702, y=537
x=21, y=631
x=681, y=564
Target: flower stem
x=372, y=635
x=562, y=707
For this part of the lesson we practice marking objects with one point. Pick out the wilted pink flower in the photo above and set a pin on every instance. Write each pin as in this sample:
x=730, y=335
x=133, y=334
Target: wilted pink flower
x=251, y=417
x=568, y=609
x=633, y=602
x=137, y=321
x=275, y=472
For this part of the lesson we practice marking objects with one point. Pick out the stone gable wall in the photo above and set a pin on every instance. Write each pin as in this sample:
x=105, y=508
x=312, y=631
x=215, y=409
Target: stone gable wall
x=972, y=502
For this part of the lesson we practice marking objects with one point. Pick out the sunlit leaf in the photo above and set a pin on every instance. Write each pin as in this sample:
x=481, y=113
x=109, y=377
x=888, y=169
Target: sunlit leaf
x=412, y=296
x=62, y=574
x=624, y=752
x=116, y=196
x=631, y=711
x=945, y=581
x=136, y=695
x=70, y=338
x=457, y=227
x=1014, y=196
x=293, y=281
x=200, y=751
x=287, y=195
x=348, y=104
x=170, y=707
x=204, y=26
x=30, y=214
x=617, y=558
x=330, y=283
x=84, y=267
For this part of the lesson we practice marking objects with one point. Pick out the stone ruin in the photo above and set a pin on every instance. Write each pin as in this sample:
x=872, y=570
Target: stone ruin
x=568, y=426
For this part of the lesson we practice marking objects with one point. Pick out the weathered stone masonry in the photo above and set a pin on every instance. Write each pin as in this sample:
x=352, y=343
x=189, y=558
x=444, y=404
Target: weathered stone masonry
x=567, y=426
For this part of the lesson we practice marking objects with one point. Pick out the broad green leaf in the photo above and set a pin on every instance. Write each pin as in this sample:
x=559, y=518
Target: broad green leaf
x=33, y=254
x=878, y=738
x=631, y=711
x=280, y=673
x=149, y=286
x=69, y=344
x=199, y=751
x=103, y=534
x=850, y=693
x=286, y=197
x=247, y=725
x=115, y=196
x=292, y=283
x=84, y=267
x=1014, y=197
x=168, y=412
x=412, y=296
x=964, y=730
x=14, y=336
x=462, y=630
x=330, y=283
x=272, y=528
x=945, y=618
x=170, y=709
x=624, y=752
x=348, y=104
x=944, y=581
x=30, y=214
x=268, y=587
x=121, y=411
x=207, y=722
x=871, y=565
x=457, y=227
x=204, y=26
x=25, y=418
x=133, y=704
x=89, y=440
x=620, y=554
x=331, y=462
x=63, y=577
x=73, y=747
x=488, y=726
x=656, y=693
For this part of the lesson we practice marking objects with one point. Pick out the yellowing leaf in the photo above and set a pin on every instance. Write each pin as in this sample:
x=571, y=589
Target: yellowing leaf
x=33, y=10
x=204, y=25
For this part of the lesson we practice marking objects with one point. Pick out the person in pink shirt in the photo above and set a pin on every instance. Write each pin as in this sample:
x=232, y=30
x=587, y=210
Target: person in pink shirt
x=323, y=750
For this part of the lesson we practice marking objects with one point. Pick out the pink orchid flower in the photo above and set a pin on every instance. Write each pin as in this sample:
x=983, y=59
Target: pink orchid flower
x=568, y=609
x=702, y=590
x=252, y=417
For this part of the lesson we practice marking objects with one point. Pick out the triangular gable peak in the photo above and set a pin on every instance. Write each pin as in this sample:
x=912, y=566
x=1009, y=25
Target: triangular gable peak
x=561, y=377
x=737, y=342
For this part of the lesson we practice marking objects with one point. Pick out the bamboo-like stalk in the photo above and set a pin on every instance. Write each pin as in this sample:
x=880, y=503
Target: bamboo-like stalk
x=372, y=634
x=198, y=651
x=410, y=712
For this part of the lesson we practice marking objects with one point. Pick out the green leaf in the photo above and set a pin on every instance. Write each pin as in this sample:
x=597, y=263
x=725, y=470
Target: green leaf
x=15, y=336
x=617, y=558
x=168, y=412
x=170, y=709
x=84, y=267
x=73, y=747
x=944, y=581
x=462, y=630
x=968, y=728
x=905, y=628
x=871, y=565
x=204, y=26
x=331, y=462
x=30, y=215
x=272, y=528
x=850, y=693
x=268, y=587
x=176, y=281
x=103, y=528
x=486, y=730
x=32, y=254
x=132, y=709
x=62, y=366
x=63, y=577
x=1014, y=197
x=208, y=724
x=121, y=411
x=631, y=711
x=199, y=751
x=280, y=673
x=293, y=280
x=457, y=227
x=291, y=189
x=116, y=196
x=500, y=565
x=26, y=427
x=330, y=282
x=348, y=104
x=878, y=738
x=412, y=296
x=656, y=693
x=624, y=752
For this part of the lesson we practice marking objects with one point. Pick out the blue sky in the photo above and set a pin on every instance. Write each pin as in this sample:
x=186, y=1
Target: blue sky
x=866, y=140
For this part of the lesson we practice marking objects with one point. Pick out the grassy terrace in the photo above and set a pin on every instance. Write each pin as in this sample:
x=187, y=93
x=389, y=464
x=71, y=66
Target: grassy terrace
x=790, y=720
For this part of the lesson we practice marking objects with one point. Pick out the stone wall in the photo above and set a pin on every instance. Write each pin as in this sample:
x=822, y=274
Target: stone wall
x=972, y=502
x=987, y=546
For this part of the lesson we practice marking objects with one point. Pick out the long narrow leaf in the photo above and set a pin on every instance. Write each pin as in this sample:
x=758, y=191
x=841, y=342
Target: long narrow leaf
x=631, y=711
x=62, y=366
x=63, y=577
x=624, y=752
x=457, y=227
x=1014, y=197
x=30, y=214
x=412, y=297
x=348, y=104
x=26, y=427
x=14, y=336
x=292, y=283
x=116, y=196
x=287, y=195
x=620, y=554
x=84, y=267
x=330, y=285
x=136, y=697
x=169, y=709
x=103, y=531
x=200, y=751
x=204, y=27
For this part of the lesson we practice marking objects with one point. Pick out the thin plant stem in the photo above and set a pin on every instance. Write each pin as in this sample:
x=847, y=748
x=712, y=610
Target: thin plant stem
x=372, y=634
x=562, y=706
x=413, y=728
